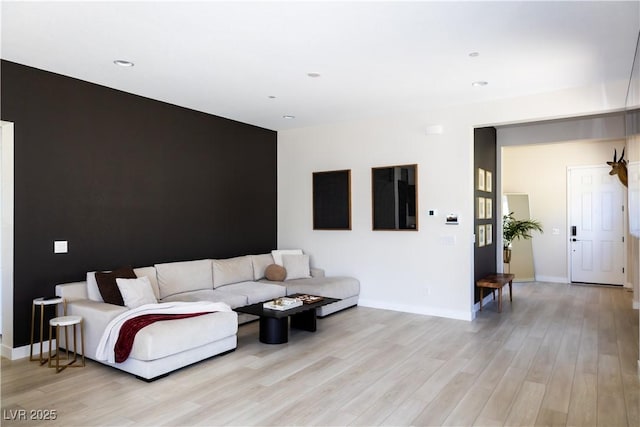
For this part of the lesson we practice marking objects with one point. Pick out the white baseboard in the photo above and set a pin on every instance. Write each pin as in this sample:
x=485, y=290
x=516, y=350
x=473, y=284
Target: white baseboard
x=22, y=352
x=429, y=311
x=6, y=351
x=552, y=279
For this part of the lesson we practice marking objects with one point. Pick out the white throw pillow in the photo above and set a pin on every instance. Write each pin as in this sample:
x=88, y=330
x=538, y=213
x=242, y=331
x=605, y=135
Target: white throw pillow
x=278, y=253
x=136, y=292
x=297, y=266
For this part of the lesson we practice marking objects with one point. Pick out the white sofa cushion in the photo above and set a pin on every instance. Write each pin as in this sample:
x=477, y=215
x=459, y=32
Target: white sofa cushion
x=256, y=291
x=260, y=264
x=136, y=292
x=232, y=270
x=178, y=277
x=215, y=295
x=277, y=254
x=161, y=339
x=233, y=299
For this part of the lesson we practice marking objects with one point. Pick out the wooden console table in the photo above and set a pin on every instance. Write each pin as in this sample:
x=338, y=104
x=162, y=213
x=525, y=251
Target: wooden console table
x=495, y=281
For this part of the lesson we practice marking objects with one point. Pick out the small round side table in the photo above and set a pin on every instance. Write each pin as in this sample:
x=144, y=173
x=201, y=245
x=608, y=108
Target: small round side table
x=43, y=302
x=63, y=322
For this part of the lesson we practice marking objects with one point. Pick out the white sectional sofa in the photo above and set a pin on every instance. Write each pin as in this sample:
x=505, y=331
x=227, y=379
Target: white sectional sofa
x=165, y=346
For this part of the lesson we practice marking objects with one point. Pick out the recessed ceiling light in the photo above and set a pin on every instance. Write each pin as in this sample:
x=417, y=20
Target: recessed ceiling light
x=288, y=117
x=479, y=83
x=474, y=54
x=313, y=75
x=123, y=63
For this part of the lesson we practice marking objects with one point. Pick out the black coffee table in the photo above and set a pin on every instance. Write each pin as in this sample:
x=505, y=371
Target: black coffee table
x=274, y=324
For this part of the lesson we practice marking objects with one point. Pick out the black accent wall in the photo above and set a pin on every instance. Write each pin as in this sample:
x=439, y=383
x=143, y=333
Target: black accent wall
x=485, y=158
x=127, y=181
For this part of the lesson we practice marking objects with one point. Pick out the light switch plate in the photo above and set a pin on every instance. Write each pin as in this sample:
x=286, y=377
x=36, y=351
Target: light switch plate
x=60, y=247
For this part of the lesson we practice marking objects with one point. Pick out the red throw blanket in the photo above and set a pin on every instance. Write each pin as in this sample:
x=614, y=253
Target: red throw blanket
x=131, y=327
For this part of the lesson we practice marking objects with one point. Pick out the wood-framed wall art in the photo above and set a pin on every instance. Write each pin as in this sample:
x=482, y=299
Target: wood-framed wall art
x=481, y=236
x=481, y=205
x=484, y=207
x=488, y=208
x=332, y=200
x=394, y=195
x=481, y=179
x=488, y=181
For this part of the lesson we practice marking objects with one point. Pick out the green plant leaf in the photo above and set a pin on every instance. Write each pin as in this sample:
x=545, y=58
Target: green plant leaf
x=513, y=228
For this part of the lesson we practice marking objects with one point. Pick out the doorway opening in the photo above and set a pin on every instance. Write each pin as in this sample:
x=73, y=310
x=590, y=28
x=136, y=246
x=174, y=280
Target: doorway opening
x=541, y=171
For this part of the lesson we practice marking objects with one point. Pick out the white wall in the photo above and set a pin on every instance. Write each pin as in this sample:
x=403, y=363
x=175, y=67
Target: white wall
x=410, y=265
x=429, y=271
x=548, y=163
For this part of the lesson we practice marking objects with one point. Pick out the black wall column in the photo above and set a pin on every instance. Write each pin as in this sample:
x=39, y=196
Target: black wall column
x=485, y=159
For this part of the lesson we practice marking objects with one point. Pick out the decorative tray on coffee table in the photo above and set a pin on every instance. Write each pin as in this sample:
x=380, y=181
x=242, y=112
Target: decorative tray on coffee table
x=309, y=299
x=284, y=303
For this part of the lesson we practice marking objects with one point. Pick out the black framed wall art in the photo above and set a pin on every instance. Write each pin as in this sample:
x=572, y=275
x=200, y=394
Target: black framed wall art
x=395, y=197
x=332, y=200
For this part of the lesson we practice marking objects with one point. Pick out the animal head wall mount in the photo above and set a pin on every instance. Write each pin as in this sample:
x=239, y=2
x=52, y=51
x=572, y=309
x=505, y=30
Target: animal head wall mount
x=619, y=167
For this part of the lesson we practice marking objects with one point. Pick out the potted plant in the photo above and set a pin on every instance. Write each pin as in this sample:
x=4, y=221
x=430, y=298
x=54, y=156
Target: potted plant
x=516, y=229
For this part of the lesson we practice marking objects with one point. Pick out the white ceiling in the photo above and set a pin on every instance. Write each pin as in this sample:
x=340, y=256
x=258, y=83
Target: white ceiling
x=375, y=58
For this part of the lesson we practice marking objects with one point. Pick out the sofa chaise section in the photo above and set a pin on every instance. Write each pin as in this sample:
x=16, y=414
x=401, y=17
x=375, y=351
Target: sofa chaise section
x=159, y=348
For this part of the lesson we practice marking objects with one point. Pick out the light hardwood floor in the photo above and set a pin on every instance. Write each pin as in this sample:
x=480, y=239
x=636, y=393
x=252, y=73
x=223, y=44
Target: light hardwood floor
x=559, y=355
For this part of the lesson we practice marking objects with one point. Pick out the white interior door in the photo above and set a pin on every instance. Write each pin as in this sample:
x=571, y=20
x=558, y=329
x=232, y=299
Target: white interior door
x=596, y=226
